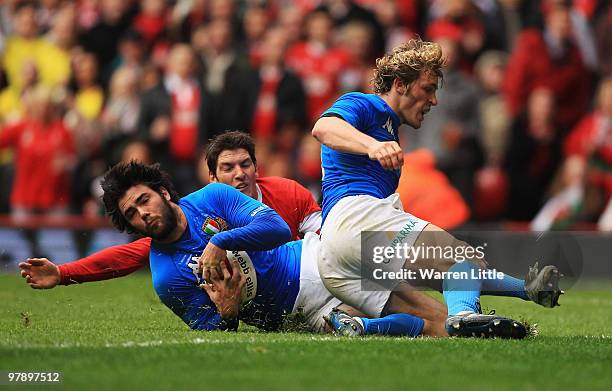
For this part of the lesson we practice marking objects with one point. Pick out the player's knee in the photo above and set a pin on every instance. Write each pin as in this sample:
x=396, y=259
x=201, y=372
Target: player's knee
x=479, y=263
x=466, y=252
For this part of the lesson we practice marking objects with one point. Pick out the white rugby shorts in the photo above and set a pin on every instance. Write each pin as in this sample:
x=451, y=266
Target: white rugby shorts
x=340, y=258
x=313, y=299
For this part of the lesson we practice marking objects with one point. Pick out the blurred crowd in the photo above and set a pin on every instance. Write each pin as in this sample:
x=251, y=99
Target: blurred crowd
x=523, y=128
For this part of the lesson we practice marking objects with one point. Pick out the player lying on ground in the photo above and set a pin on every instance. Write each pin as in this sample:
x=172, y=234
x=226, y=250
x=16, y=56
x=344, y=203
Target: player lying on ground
x=361, y=161
x=212, y=221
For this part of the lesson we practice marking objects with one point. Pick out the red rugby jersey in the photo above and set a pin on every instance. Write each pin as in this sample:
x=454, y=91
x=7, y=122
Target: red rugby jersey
x=42, y=179
x=292, y=201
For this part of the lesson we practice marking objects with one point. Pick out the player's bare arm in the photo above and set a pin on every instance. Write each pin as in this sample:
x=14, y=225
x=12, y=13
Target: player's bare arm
x=225, y=290
x=342, y=136
x=40, y=273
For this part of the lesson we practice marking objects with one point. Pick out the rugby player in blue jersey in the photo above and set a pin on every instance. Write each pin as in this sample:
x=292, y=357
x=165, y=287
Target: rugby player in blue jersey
x=361, y=161
x=218, y=222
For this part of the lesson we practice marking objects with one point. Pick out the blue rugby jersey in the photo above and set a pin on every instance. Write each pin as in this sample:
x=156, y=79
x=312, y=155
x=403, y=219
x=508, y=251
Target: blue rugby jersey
x=222, y=214
x=346, y=174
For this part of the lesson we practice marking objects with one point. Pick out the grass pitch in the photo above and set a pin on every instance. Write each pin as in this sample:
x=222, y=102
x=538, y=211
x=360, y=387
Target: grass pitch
x=116, y=334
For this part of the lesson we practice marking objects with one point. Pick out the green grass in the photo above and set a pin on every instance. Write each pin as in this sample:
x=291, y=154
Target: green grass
x=115, y=334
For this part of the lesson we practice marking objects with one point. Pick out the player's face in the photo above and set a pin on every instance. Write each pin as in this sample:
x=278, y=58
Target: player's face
x=148, y=212
x=418, y=99
x=236, y=168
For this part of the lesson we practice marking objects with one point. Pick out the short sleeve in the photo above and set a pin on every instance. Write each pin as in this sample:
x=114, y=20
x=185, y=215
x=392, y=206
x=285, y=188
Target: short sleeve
x=353, y=108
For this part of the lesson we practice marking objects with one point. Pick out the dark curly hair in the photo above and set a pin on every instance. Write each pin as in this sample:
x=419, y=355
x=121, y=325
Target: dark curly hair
x=121, y=177
x=228, y=140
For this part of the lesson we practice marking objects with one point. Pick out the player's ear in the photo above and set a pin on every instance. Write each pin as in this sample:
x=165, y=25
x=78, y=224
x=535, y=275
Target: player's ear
x=212, y=177
x=164, y=193
x=399, y=86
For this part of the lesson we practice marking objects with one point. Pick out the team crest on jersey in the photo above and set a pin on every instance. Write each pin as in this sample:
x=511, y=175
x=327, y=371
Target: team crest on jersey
x=388, y=126
x=214, y=225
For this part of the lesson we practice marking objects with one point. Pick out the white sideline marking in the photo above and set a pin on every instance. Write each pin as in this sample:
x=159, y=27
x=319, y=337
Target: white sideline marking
x=196, y=341
x=211, y=341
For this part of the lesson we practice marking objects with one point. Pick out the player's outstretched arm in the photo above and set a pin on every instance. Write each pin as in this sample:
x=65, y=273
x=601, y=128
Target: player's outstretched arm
x=40, y=273
x=113, y=262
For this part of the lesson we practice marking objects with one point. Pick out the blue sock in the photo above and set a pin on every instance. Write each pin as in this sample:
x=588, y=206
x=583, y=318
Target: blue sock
x=462, y=294
x=507, y=286
x=394, y=325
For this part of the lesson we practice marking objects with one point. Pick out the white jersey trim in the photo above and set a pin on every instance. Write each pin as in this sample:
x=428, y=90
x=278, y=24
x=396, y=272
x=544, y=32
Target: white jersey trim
x=311, y=223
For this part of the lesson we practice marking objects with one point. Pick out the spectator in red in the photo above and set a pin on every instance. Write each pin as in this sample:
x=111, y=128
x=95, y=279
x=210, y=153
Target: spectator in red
x=549, y=58
x=181, y=97
x=318, y=63
x=170, y=117
x=585, y=190
x=460, y=17
x=603, y=35
x=44, y=157
x=278, y=102
x=151, y=20
x=224, y=68
x=533, y=155
x=255, y=21
x=11, y=110
x=590, y=142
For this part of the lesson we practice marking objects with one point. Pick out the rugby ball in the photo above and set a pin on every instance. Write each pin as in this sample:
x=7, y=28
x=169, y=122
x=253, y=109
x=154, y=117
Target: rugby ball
x=247, y=269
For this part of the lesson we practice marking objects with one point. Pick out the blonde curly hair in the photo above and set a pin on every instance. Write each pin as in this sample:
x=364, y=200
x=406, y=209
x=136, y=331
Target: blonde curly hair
x=406, y=62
